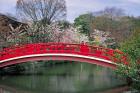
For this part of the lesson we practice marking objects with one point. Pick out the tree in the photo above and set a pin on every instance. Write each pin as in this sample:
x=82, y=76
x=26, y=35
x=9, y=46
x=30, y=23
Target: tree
x=83, y=22
x=115, y=21
x=55, y=32
x=112, y=20
x=44, y=11
x=132, y=48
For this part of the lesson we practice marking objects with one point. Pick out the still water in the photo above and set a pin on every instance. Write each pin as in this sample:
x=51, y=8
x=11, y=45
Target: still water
x=63, y=78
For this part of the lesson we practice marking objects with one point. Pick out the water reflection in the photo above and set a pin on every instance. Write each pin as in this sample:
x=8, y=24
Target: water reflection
x=66, y=78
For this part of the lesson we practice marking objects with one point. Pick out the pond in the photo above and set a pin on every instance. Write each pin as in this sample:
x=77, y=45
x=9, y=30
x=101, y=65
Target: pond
x=72, y=77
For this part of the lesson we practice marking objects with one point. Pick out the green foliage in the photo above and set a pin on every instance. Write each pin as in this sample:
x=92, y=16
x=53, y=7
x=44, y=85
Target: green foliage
x=64, y=24
x=83, y=23
x=132, y=48
x=131, y=73
x=120, y=27
x=136, y=22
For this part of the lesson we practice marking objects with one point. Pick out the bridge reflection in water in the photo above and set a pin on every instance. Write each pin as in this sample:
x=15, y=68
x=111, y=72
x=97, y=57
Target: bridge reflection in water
x=66, y=78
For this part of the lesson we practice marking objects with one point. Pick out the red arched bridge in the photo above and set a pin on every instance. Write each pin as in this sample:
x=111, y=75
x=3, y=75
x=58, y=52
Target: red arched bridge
x=61, y=51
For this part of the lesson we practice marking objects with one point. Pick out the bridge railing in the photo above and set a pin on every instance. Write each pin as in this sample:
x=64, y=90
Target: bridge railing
x=80, y=49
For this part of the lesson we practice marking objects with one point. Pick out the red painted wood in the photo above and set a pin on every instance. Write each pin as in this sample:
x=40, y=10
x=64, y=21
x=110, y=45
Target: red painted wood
x=44, y=48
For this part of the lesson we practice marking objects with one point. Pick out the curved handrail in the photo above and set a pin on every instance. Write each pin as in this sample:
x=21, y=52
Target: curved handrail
x=80, y=49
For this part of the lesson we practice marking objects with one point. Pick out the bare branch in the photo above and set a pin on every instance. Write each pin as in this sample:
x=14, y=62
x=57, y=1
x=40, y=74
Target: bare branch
x=46, y=11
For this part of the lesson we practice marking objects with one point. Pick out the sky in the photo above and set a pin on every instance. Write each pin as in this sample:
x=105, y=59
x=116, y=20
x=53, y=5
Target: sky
x=77, y=7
